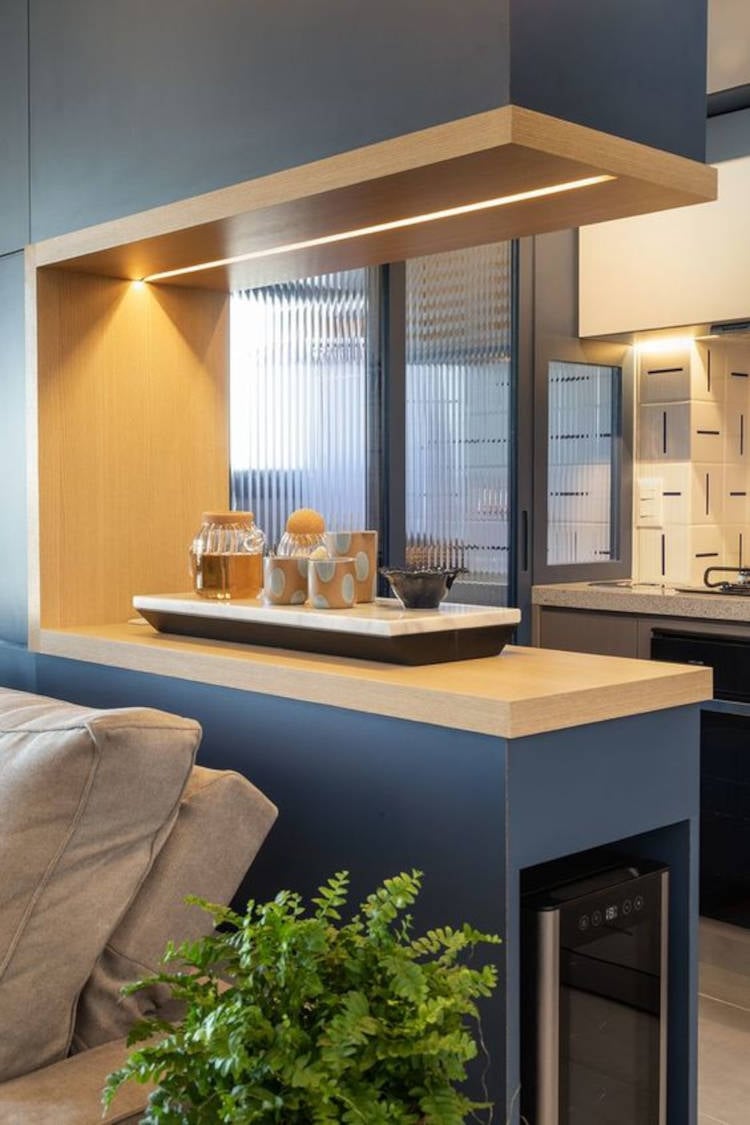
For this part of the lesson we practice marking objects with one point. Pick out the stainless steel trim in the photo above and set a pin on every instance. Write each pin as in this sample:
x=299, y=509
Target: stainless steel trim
x=663, y=998
x=548, y=1018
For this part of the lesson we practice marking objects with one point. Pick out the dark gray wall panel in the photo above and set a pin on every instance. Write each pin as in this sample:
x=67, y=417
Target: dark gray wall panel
x=636, y=69
x=13, y=616
x=728, y=136
x=136, y=103
x=14, y=149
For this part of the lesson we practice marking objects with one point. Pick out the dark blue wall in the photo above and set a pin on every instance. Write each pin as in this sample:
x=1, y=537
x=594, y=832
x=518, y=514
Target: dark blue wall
x=634, y=68
x=136, y=102
x=728, y=136
x=14, y=162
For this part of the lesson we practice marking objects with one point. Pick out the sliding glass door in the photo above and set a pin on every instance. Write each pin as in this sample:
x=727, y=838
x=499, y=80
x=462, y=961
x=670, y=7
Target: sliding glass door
x=385, y=398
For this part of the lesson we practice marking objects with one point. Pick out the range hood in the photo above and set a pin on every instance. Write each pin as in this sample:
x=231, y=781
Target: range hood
x=731, y=330
x=501, y=174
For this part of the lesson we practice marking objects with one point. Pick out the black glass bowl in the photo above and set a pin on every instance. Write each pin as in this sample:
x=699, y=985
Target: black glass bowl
x=420, y=589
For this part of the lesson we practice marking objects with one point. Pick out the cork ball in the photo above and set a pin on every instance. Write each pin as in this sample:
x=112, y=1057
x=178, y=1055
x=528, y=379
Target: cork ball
x=305, y=521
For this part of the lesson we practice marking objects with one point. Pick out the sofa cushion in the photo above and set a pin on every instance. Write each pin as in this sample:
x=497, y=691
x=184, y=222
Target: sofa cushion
x=222, y=823
x=87, y=799
x=70, y=1091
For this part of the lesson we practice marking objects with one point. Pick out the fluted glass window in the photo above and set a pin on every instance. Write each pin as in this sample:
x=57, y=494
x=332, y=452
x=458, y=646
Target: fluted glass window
x=583, y=443
x=298, y=398
x=458, y=401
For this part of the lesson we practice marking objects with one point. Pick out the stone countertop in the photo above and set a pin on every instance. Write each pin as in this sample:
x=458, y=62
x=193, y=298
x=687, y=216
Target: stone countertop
x=523, y=691
x=643, y=599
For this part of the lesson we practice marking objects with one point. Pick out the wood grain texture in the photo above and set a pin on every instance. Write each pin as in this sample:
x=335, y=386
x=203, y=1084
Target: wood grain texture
x=485, y=156
x=132, y=439
x=523, y=691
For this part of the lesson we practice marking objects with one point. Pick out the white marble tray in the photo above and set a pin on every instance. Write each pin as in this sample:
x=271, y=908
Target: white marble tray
x=379, y=630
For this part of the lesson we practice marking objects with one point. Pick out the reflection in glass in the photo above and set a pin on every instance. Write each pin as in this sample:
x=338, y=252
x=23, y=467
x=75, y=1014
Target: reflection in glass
x=582, y=452
x=298, y=400
x=458, y=383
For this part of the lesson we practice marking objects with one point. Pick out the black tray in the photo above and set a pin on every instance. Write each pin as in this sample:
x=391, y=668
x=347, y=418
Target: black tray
x=435, y=647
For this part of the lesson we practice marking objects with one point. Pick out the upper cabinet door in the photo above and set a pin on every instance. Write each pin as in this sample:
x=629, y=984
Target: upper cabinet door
x=671, y=269
x=14, y=125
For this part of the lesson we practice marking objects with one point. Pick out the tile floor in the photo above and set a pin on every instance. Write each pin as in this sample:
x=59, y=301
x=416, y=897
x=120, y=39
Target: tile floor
x=724, y=1027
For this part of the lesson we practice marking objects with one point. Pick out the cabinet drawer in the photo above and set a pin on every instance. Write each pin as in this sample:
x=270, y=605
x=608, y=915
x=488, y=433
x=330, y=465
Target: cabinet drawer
x=579, y=630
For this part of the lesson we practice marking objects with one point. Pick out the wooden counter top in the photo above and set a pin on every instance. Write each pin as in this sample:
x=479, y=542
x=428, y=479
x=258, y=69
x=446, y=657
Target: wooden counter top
x=522, y=691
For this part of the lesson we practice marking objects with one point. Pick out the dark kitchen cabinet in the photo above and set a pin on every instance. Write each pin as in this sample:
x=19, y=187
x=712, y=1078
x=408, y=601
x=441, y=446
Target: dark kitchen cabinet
x=580, y=630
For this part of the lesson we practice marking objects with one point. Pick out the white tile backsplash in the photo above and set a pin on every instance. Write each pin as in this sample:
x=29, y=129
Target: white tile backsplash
x=736, y=436
x=647, y=554
x=693, y=462
x=690, y=492
x=736, y=549
x=707, y=426
x=736, y=494
x=665, y=376
x=664, y=432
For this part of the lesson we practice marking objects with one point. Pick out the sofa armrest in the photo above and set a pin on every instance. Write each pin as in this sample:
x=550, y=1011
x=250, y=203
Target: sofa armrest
x=69, y=1092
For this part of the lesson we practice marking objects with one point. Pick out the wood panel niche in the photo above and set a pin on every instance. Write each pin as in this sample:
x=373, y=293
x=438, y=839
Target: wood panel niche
x=133, y=445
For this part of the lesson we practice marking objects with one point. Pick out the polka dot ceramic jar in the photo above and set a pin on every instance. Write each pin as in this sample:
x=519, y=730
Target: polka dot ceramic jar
x=362, y=546
x=285, y=580
x=331, y=583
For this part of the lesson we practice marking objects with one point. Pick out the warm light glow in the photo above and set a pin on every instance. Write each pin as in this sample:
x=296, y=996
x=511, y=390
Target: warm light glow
x=138, y=284
x=664, y=344
x=396, y=224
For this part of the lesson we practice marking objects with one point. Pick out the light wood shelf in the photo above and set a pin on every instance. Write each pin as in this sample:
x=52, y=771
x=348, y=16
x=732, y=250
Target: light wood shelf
x=485, y=156
x=521, y=692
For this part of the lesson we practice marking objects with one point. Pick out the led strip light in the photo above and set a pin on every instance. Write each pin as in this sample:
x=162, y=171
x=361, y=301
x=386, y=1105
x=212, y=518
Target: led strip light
x=379, y=228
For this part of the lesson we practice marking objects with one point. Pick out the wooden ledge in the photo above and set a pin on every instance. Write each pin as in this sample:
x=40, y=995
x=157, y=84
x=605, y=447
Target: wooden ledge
x=500, y=152
x=524, y=691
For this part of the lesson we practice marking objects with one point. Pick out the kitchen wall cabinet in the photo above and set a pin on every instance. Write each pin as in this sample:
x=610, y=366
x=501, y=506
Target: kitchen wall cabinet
x=693, y=453
x=14, y=124
x=683, y=267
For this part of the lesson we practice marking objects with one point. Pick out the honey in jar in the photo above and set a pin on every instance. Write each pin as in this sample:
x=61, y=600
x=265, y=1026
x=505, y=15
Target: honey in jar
x=226, y=556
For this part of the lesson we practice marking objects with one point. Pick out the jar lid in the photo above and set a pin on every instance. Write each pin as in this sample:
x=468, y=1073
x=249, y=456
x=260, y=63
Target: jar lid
x=225, y=518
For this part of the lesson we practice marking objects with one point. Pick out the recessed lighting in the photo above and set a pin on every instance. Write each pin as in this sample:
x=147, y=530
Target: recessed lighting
x=379, y=228
x=664, y=344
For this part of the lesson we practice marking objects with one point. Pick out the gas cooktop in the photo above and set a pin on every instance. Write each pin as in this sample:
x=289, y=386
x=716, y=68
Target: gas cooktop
x=740, y=588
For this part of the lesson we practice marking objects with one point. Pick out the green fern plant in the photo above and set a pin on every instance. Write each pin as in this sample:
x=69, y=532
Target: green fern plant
x=323, y=1021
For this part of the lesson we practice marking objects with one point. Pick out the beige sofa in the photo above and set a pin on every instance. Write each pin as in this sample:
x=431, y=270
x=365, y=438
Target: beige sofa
x=105, y=825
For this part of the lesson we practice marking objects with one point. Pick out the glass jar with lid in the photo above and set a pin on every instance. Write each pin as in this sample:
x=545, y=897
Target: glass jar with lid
x=305, y=533
x=226, y=556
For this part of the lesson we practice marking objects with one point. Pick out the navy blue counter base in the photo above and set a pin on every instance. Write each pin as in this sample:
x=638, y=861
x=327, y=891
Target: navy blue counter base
x=377, y=795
